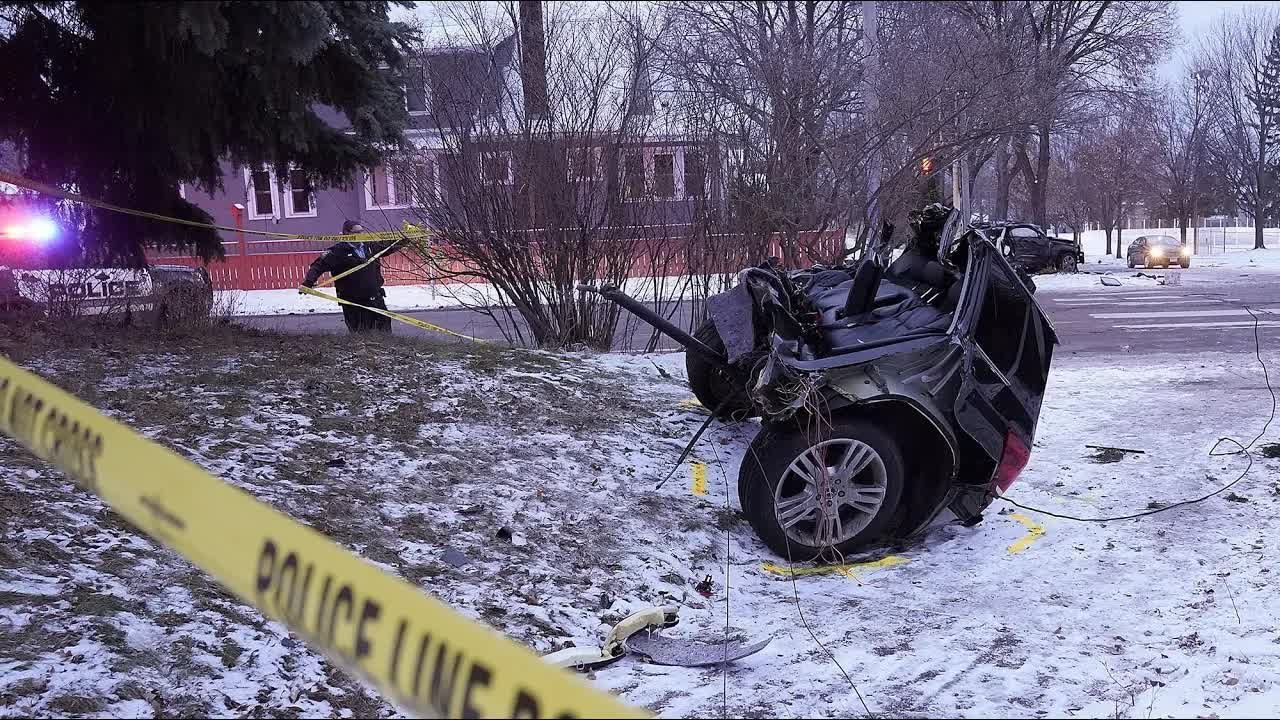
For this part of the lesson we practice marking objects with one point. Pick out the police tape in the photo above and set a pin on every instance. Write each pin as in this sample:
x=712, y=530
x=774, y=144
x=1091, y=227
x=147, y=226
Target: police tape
x=388, y=313
x=411, y=232
x=416, y=650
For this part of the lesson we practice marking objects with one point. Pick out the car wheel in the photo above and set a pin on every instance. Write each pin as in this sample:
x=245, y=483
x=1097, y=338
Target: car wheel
x=1131, y=263
x=809, y=497
x=712, y=383
x=1185, y=263
x=1067, y=264
x=1150, y=265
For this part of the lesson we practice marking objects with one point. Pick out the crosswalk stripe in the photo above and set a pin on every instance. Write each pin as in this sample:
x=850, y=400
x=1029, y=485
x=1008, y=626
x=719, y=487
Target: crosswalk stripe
x=1139, y=303
x=1183, y=314
x=1224, y=325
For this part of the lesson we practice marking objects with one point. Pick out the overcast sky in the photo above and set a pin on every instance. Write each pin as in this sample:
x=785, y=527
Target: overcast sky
x=1195, y=17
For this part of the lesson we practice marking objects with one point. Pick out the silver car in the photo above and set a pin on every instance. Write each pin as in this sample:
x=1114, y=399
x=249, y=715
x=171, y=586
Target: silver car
x=1158, y=250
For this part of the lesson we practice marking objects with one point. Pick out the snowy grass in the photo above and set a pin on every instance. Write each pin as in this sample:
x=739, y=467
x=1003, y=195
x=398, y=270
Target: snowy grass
x=443, y=444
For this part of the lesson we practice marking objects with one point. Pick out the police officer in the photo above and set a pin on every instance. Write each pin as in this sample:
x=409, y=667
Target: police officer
x=363, y=286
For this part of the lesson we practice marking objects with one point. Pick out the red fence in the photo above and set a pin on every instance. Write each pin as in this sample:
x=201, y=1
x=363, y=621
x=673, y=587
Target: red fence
x=285, y=270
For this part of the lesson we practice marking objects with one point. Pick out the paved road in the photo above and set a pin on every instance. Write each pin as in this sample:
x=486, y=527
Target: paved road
x=1191, y=318
x=1194, y=317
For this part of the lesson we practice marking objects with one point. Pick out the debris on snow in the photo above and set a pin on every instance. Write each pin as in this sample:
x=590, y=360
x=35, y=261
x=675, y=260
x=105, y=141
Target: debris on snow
x=665, y=650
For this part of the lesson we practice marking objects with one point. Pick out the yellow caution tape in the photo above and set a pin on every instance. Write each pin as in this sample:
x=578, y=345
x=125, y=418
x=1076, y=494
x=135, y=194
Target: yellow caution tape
x=413, y=648
x=387, y=313
x=36, y=186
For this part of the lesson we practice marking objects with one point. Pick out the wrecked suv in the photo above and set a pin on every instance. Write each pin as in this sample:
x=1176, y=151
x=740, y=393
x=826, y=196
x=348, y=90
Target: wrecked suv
x=890, y=399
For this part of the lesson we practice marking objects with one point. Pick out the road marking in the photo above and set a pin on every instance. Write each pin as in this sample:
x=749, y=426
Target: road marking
x=698, y=483
x=1034, y=530
x=1224, y=325
x=1141, y=303
x=1111, y=298
x=1184, y=314
x=850, y=570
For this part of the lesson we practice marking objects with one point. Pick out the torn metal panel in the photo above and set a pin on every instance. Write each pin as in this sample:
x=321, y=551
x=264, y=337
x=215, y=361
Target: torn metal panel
x=663, y=650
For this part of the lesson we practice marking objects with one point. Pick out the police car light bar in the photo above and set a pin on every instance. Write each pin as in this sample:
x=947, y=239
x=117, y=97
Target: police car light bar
x=39, y=230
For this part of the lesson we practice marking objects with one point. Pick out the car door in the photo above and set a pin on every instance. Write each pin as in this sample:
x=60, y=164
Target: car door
x=1030, y=248
x=1008, y=344
x=1137, y=250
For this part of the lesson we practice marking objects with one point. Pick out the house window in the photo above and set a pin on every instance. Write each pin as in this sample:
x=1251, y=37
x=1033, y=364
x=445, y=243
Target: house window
x=583, y=163
x=182, y=190
x=664, y=175
x=633, y=176
x=378, y=188
x=300, y=197
x=405, y=184
x=416, y=94
x=695, y=174
x=261, y=193
x=495, y=168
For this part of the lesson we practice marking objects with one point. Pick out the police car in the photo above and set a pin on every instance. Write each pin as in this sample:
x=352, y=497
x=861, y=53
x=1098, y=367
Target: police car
x=33, y=282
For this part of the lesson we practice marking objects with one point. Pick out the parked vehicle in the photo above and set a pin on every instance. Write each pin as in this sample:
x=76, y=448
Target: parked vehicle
x=1035, y=251
x=1158, y=250
x=891, y=399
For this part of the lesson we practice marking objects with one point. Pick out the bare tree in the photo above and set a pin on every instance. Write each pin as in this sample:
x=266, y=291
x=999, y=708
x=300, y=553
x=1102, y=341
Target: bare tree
x=1069, y=204
x=1243, y=55
x=1179, y=126
x=1113, y=156
x=1076, y=57
x=530, y=184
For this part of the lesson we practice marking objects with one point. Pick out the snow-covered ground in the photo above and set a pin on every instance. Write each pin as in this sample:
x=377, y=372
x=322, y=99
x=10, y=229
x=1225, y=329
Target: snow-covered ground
x=441, y=445
x=410, y=297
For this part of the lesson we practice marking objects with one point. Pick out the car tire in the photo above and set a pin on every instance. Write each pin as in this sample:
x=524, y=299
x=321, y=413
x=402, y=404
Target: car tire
x=1067, y=264
x=712, y=383
x=1131, y=263
x=773, y=483
x=1184, y=263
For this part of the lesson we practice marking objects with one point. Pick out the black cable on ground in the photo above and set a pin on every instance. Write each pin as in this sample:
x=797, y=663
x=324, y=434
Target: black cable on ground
x=795, y=593
x=1213, y=452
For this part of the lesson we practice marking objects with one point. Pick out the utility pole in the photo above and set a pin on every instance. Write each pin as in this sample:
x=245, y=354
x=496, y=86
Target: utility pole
x=1200, y=77
x=870, y=71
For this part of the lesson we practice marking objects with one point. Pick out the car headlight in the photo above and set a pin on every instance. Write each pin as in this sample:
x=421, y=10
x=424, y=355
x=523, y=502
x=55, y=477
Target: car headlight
x=1157, y=251
x=1185, y=251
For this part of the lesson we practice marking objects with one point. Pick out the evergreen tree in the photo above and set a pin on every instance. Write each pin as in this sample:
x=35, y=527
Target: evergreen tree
x=124, y=101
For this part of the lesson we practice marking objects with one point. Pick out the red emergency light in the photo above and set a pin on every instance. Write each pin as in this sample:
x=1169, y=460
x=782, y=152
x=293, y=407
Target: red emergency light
x=37, y=230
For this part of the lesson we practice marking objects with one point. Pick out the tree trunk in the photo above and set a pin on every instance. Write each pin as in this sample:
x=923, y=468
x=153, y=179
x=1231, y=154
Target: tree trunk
x=1040, y=183
x=1182, y=228
x=1119, y=239
x=1108, y=231
x=1004, y=179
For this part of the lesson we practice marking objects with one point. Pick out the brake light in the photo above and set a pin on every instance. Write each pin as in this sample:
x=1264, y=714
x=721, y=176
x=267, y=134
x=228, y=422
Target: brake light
x=1012, y=460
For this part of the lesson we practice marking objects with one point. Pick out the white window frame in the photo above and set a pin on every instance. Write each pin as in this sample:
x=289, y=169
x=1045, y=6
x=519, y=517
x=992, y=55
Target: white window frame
x=251, y=197
x=511, y=167
x=648, y=152
x=287, y=192
x=594, y=151
x=426, y=96
x=394, y=201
